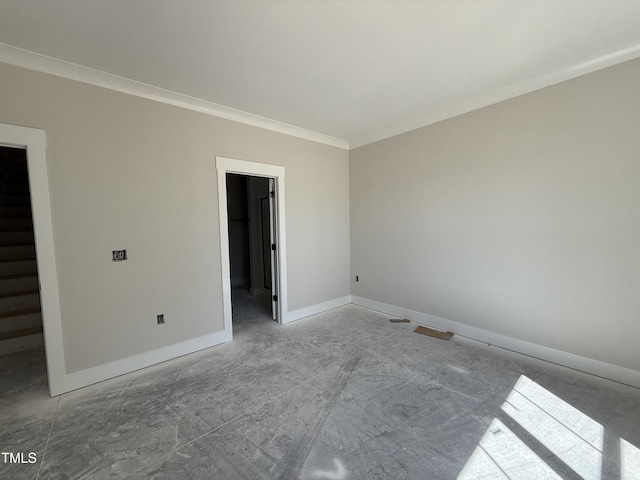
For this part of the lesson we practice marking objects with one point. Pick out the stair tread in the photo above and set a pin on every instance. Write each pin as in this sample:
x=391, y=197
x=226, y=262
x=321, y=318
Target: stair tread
x=25, y=226
x=15, y=200
x=18, y=275
x=17, y=239
x=19, y=293
x=30, y=258
x=19, y=312
x=17, y=249
x=23, y=332
x=16, y=268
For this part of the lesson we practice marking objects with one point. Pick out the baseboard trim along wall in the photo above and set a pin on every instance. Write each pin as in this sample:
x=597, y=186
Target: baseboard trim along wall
x=577, y=362
x=89, y=376
x=294, y=315
x=99, y=373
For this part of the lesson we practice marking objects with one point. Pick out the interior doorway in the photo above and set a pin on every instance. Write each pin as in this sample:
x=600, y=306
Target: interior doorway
x=251, y=238
x=277, y=253
x=33, y=142
x=20, y=314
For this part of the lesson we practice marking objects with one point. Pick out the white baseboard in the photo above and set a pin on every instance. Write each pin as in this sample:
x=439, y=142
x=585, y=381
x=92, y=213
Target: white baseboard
x=240, y=281
x=19, y=344
x=577, y=362
x=294, y=315
x=73, y=381
x=89, y=376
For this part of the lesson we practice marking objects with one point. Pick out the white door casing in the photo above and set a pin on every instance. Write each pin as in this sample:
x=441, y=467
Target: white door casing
x=279, y=276
x=273, y=239
x=34, y=141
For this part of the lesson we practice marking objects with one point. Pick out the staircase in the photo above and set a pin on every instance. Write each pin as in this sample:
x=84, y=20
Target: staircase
x=20, y=315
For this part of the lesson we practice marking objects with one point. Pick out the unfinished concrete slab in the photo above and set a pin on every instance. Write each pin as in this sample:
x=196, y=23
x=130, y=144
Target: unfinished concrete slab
x=344, y=394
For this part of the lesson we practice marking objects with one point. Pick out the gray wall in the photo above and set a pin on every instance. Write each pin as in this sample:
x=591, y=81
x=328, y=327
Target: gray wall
x=126, y=172
x=522, y=218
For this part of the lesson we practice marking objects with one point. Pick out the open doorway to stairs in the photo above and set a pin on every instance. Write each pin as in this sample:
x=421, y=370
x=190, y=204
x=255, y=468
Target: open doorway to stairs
x=252, y=219
x=20, y=314
x=30, y=302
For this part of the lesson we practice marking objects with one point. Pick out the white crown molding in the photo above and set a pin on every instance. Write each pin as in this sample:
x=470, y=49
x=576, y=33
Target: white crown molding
x=61, y=68
x=490, y=98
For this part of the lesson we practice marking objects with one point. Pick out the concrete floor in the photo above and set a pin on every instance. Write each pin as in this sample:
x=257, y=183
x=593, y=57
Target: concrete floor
x=344, y=394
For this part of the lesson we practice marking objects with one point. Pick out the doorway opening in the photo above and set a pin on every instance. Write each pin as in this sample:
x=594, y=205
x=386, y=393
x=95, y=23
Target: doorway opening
x=250, y=219
x=20, y=313
x=33, y=143
x=276, y=279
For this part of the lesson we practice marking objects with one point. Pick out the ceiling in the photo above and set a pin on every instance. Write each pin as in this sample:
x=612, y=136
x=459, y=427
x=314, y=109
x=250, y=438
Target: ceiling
x=355, y=70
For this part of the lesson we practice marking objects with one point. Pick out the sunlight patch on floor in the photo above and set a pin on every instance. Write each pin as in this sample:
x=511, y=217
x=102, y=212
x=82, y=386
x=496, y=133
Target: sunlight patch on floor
x=572, y=436
x=502, y=455
x=629, y=461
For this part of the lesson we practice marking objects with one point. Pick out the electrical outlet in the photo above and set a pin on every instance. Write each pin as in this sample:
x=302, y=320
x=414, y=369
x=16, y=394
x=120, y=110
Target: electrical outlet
x=161, y=319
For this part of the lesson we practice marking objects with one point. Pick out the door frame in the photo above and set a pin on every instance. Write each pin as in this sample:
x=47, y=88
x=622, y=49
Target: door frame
x=226, y=165
x=34, y=141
